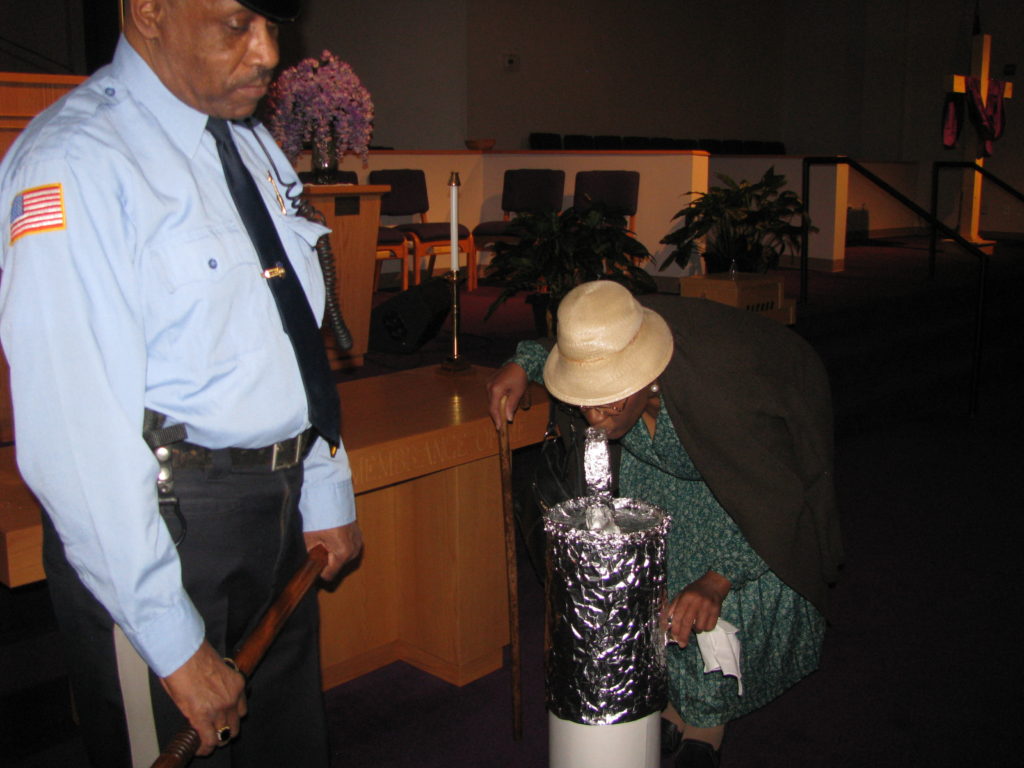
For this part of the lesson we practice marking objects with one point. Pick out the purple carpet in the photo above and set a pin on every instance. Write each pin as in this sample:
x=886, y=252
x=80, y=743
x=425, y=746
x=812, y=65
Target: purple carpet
x=921, y=665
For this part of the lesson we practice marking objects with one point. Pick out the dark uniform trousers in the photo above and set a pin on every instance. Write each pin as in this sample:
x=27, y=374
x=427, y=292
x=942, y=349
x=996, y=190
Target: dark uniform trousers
x=242, y=542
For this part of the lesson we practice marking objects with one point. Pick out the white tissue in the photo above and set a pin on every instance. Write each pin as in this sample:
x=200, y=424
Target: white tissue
x=720, y=649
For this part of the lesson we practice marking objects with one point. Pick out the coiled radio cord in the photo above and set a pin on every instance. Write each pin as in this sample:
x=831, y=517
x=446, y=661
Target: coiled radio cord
x=332, y=312
x=333, y=316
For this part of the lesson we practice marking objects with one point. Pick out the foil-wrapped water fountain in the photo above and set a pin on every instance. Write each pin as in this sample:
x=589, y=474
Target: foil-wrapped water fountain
x=606, y=583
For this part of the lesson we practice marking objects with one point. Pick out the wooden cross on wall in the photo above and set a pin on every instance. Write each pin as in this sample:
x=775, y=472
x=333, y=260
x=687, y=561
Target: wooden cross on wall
x=970, y=208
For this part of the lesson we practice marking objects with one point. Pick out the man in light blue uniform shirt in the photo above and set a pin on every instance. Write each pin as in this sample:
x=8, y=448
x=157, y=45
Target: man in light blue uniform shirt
x=129, y=283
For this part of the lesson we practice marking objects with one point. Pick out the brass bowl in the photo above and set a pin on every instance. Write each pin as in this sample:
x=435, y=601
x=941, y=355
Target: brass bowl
x=480, y=145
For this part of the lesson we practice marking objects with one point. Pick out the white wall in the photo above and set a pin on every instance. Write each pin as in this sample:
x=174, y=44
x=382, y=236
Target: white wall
x=410, y=54
x=864, y=78
x=645, y=68
x=882, y=215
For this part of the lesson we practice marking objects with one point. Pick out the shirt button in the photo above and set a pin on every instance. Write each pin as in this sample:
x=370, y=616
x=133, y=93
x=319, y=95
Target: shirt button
x=109, y=91
x=212, y=263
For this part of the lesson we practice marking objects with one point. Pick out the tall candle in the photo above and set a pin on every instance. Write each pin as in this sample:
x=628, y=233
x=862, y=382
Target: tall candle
x=453, y=185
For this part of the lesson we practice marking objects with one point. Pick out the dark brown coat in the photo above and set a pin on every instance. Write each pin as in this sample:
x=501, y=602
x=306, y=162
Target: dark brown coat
x=751, y=403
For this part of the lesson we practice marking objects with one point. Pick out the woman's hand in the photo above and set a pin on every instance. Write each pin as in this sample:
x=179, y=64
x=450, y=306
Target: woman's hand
x=510, y=380
x=696, y=608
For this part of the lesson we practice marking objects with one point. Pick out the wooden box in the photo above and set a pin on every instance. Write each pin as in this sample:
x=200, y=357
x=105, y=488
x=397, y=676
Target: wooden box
x=755, y=293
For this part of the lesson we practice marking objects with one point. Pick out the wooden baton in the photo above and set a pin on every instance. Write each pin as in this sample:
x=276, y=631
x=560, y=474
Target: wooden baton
x=180, y=750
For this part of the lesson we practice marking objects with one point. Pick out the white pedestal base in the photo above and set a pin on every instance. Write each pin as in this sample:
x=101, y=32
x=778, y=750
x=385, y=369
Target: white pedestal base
x=636, y=744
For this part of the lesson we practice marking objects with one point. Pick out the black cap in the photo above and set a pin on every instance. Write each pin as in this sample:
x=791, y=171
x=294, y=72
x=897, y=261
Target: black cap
x=275, y=10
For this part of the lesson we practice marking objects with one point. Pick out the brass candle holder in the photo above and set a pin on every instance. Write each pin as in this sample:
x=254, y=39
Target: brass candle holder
x=454, y=363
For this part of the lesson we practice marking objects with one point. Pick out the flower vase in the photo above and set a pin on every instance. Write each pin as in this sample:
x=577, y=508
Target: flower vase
x=324, y=162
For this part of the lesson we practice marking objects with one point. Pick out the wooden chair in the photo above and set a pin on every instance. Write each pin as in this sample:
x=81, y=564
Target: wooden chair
x=578, y=141
x=408, y=197
x=526, y=190
x=616, y=191
x=392, y=244
x=545, y=141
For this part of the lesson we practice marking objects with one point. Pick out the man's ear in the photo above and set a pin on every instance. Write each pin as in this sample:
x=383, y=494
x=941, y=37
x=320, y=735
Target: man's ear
x=147, y=16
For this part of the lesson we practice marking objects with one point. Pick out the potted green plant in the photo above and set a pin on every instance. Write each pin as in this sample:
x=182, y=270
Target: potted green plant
x=743, y=226
x=554, y=252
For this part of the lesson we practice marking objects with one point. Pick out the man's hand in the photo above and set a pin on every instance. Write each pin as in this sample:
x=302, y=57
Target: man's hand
x=508, y=380
x=210, y=694
x=342, y=543
x=696, y=608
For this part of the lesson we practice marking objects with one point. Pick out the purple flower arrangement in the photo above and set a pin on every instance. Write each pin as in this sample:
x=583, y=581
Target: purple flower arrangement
x=317, y=102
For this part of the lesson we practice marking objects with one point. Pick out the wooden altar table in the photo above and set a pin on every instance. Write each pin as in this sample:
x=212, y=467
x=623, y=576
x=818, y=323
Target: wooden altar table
x=429, y=588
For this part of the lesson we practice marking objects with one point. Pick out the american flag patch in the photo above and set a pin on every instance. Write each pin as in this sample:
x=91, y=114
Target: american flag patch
x=39, y=209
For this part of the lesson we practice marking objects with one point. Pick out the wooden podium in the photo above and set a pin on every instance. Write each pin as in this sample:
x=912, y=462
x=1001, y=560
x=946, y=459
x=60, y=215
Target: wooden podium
x=353, y=214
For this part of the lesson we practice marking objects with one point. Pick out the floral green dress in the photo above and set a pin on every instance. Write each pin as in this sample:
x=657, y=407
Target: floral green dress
x=780, y=632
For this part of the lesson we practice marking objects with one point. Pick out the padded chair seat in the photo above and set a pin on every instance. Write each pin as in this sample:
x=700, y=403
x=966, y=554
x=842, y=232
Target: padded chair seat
x=390, y=236
x=487, y=229
x=433, y=231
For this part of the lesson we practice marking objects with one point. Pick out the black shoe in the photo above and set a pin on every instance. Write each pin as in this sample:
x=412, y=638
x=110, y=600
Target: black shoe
x=697, y=754
x=671, y=738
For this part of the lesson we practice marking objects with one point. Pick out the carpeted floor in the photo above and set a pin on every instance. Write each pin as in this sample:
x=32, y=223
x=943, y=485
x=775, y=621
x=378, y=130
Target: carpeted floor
x=920, y=666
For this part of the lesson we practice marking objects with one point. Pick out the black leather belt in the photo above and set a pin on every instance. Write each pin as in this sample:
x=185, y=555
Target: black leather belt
x=283, y=455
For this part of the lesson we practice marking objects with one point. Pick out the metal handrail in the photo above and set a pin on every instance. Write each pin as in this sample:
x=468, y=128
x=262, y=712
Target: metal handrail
x=939, y=165
x=936, y=225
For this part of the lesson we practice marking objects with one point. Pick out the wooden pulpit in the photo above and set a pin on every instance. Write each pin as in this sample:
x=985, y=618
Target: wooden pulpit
x=353, y=214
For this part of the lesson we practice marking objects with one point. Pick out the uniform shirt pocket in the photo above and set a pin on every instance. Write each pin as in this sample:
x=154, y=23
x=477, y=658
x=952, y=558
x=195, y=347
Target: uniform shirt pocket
x=207, y=299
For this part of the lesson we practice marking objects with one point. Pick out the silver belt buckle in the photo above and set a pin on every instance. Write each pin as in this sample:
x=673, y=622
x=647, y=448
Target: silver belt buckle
x=282, y=458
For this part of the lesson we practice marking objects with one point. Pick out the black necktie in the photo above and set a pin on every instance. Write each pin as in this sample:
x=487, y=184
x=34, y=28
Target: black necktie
x=292, y=304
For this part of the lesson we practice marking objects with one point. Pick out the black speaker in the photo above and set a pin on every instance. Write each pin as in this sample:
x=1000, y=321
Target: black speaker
x=410, y=319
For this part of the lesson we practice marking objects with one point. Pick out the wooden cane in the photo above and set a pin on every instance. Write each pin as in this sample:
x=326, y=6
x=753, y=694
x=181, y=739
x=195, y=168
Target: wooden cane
x=180, y=750
x=511, y=571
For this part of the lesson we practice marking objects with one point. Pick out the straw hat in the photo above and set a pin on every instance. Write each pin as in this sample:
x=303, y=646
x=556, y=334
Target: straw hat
x=609, y=346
